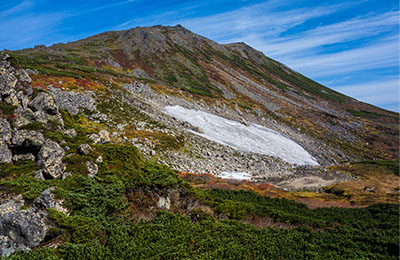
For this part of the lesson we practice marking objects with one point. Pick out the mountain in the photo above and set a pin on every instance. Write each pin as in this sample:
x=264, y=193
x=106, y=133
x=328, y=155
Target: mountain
x=132, y=125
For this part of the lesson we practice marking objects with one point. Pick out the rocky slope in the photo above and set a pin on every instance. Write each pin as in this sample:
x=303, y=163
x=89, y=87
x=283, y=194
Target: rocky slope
x=82, y=108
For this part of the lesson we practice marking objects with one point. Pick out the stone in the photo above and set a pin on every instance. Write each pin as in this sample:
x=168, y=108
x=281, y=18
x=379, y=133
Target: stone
x=5, y=153
x=46, y=200
x=50, y=159
x=99, y=159
x=5, y=130
x=12, y=99
x=21, y=229
x=40, y=116
x=7, y=83
x=23, y=76
x=31, y=140
x=102, y=137
x=84, y=149
x=44, y=102
x=24, y=117
x=92, y=168
x=164, y=203
x=72, y=101
x=23, y=157
x=38, y=175
x=70, y=132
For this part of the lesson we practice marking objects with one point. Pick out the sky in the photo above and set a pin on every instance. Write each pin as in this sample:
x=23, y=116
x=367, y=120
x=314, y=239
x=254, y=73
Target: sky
x=351, y=46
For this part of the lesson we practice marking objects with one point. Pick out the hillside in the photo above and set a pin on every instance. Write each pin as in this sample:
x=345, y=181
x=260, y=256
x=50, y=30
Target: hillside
x=111, y=147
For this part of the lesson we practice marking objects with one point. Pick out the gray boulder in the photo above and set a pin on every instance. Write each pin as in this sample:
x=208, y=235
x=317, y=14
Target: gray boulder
x=5, y=130
x=27, y=139
x=84, y=149
x=50, y=159
x=7, y=82
x=5, y=153
x=44, y=102
x=23, y=157
x=46, y=200
x=24, y=117
x=92, y=168
x=70, y=132
x=21, y=229
x=102, y=137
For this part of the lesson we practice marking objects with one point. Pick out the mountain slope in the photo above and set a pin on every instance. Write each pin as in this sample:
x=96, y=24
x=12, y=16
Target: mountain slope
x=239, y=77
x=101, y=140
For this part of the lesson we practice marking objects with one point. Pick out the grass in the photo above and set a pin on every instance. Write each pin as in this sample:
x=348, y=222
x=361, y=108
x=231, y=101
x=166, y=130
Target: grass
x=364, y=113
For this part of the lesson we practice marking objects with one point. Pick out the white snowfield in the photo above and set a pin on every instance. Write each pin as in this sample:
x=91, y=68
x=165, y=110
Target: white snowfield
x=253, y=138
x=234, y=175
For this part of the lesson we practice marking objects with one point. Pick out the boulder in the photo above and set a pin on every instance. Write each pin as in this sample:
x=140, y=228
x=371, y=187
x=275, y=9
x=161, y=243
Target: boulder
x=84, y=149
x=7, y=83
x=21, y=229
x=5, y=153
x=23, y=157
x=70, y=132
x=5, y=130
x=102, y=137
x=50, y=159
x=46, y=200
x=31, y=140
x=24, y=117
x=44, y=102
x=12, y=99
x=92, y=168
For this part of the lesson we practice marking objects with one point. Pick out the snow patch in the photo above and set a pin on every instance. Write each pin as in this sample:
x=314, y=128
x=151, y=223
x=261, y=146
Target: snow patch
x=253, y=138
x=234, y=175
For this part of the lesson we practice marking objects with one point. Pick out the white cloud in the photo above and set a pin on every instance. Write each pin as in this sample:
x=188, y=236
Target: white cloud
x=383, y=93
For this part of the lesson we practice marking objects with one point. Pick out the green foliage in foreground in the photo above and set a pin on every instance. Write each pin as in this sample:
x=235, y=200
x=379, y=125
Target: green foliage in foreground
x=101, y=225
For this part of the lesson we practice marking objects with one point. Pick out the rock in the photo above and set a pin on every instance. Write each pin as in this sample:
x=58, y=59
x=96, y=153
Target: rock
x=27, y=140
x=99, y=159
x=102, y=137
x=70, y=132
x=138, y=87
x=21, y=229
x=24, y=117
x=7, y=83
x=5, y=130
x=164, y=203
x=153, y=153
x=84, y=149
x=11, y=205
x=50, y=159
x=23, y=157
x=12, y=99
x=46, y=200
x=5, y=153
x=41, y=117
x=39, y=175
x=92, y=168
x=23, y=76
x=44, y=102
x=72, y=101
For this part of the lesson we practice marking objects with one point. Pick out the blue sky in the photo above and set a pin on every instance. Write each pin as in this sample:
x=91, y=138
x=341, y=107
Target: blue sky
x=350, y=46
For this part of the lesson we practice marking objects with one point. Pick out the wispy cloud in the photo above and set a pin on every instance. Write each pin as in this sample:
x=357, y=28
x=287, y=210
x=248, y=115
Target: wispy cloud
x=383, y=93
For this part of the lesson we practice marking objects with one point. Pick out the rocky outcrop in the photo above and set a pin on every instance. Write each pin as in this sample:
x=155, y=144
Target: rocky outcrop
x=50, y=159
x=102, y=137
x=22, y=228
x=91, y=168
x=46, y=200
x=5, y=153
x=72, y=101
x=84, y=149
